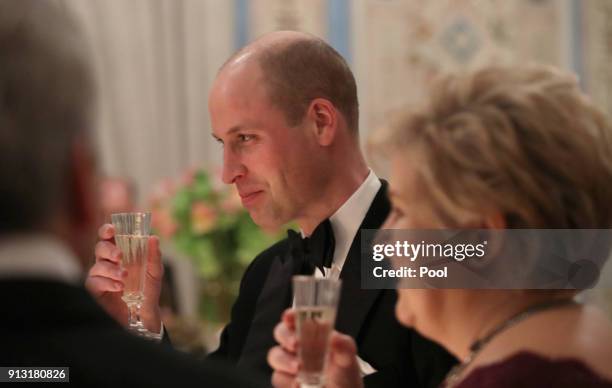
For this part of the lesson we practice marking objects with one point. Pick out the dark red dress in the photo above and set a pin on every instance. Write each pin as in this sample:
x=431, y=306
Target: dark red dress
x=529, y=370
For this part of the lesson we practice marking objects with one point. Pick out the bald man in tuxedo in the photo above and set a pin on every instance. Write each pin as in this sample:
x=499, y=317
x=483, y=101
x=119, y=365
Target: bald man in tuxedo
x=285, y=110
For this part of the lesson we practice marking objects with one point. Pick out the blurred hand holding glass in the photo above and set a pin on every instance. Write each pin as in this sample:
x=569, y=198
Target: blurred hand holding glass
x=132, y=236
x=315, y=303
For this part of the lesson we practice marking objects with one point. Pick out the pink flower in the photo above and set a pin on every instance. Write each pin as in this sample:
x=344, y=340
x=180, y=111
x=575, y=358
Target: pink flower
x=203, y=217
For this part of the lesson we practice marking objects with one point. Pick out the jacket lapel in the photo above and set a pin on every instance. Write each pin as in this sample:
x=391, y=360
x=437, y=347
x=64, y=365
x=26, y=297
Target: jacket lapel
x=274, y=298
x=355, y=302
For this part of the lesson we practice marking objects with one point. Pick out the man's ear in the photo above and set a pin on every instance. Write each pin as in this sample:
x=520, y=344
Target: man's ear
x=325, y=118
x=83, y=198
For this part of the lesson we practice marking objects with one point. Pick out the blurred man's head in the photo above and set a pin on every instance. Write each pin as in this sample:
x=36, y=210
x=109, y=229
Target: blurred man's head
x=46, y=91
x=116, y=196
x=285, y=107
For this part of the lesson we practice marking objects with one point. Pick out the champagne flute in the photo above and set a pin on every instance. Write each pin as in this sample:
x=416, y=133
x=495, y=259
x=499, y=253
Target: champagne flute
x=132, y=237
x=315, y=303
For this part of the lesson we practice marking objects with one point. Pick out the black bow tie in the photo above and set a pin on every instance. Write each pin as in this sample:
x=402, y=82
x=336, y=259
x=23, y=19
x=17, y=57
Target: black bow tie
x=314, y=251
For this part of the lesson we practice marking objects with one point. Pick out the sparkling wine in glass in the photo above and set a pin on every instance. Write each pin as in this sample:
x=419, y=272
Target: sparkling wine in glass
x=132, y=237
x=316, y=302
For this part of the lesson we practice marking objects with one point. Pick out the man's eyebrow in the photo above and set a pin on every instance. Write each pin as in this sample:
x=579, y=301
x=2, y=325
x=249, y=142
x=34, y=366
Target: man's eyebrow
x=231, y=131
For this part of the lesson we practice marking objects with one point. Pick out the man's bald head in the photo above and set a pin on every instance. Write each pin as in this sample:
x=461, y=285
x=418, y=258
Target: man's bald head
x=298, y=68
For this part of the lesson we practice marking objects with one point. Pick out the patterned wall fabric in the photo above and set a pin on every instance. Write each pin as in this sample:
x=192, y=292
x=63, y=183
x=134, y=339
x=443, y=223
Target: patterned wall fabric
x=404, y=44
x=398, y=46
x=273, y=15
x=598, y=51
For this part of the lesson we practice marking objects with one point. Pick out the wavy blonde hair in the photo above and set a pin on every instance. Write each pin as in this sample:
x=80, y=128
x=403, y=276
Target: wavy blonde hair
x=523, y=141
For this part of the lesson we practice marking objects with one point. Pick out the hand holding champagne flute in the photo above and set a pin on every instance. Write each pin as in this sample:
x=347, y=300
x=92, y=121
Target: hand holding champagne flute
x=341, y=369
x=108, y=278
x=311, y=353
x=132, y=237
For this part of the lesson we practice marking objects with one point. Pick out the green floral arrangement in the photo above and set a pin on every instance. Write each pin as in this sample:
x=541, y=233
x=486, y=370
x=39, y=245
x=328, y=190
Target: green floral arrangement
x=206, y=222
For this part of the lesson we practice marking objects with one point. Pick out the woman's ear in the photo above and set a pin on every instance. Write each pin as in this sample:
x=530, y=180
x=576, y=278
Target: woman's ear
x=325, y=118
x=495, y=220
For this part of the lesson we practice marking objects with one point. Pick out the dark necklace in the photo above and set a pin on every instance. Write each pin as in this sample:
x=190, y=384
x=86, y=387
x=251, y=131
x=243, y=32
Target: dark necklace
x=453, y=376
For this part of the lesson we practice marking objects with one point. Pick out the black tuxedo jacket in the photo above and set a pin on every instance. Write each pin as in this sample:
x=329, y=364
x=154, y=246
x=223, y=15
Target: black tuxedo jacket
x=400, y=355
x=47, y=323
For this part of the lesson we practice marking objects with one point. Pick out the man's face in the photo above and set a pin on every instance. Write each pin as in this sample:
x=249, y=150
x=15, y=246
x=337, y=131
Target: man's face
x=276, y=168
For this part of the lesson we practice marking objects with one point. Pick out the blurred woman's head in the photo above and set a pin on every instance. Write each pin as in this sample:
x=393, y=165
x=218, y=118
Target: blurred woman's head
x=498, y=148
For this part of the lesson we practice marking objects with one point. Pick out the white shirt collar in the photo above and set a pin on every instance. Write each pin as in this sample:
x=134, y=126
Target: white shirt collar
x=345, y=223
x=38, y=256
x=346, y=220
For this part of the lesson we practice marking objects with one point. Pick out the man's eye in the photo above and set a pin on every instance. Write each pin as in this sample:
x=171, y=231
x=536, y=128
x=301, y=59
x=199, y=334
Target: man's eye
x=245, y=138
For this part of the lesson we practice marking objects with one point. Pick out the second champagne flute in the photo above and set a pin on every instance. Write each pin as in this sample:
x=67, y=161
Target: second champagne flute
x=316, y=302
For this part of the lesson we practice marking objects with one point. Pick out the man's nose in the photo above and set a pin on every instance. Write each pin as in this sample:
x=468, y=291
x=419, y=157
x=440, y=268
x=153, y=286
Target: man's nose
x=232, y=167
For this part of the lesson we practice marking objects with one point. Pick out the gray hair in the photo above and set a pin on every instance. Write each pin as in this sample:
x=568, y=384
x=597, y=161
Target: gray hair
x=46, y=93
x=523, y=141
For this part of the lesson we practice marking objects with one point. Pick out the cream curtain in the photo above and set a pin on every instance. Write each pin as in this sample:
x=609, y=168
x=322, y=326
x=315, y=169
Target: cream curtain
x=155, y=61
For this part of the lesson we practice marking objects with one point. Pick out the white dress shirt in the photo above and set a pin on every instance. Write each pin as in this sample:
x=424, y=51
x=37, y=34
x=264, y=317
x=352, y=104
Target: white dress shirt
x=38, y=256
x=345, y=223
